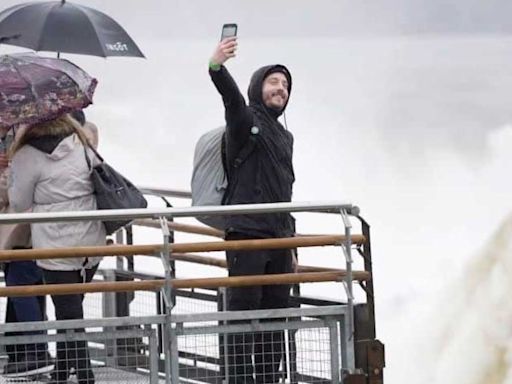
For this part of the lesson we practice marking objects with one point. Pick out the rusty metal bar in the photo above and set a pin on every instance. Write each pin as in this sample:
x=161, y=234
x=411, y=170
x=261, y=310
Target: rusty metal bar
x=154, y=285
x=151, y=249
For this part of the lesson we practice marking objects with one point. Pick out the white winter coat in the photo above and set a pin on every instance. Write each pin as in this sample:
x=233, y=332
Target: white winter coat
x=55, y=182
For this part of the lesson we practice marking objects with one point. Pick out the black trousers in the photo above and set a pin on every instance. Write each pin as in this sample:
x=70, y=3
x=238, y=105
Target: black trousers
x=70, y=354
x=20, y=309
x=265, y=347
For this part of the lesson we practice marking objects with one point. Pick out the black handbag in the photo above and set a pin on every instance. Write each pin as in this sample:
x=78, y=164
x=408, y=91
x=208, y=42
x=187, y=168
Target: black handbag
x=113, y=191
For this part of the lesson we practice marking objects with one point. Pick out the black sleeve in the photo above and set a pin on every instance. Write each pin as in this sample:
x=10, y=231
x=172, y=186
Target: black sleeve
x=239, y=119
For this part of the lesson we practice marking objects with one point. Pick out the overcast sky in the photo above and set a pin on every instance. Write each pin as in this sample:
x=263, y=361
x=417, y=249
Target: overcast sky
x=201, y=18
x=321, y=17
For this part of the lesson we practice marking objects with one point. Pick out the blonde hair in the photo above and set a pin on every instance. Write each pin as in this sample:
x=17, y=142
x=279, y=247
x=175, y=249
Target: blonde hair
x=61, y=126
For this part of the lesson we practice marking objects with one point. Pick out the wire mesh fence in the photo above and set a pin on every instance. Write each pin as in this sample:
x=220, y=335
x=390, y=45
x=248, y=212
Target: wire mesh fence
x=294, y=349
x=312, y=354
x=113, y=355
x=196, y=301
x=290, y=349
x=276, y=351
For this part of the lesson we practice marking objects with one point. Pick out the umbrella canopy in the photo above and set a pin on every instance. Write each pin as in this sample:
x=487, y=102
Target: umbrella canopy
x=35, y=89
x=59, y=26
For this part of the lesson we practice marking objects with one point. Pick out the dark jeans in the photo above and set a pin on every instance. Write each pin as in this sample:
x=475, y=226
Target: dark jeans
x=22, y=309
x=266, y=347
x=70, y=354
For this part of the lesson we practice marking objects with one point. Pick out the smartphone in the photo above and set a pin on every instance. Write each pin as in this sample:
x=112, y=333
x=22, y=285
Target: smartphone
x=228, y=30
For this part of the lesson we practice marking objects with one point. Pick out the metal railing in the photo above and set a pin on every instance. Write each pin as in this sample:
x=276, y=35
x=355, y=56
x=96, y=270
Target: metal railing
x=165, y=346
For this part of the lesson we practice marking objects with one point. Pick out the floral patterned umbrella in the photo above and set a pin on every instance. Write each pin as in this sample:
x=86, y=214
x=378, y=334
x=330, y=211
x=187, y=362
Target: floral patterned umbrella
x=35, y=89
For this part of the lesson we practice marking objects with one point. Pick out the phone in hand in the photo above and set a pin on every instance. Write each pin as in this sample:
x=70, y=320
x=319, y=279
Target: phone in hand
x=228, y=30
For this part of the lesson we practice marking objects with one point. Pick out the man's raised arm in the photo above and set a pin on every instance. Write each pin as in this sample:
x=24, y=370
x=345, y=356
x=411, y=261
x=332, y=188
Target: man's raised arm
x=239, y=119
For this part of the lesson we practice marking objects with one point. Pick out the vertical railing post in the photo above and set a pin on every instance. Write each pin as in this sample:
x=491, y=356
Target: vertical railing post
x=153, y=355
x=130, y=264
x=119, y=259
x=335, y=358
x=109, y=309
x=169, y=340
x=223, y=337
x=366, y=253
x=348, y=284
x=174, y=354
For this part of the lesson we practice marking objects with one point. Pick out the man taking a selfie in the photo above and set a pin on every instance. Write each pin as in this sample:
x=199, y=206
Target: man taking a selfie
x=259, y=167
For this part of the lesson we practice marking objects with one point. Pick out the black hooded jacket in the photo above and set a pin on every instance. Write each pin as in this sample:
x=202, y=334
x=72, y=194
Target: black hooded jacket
x=266, y=174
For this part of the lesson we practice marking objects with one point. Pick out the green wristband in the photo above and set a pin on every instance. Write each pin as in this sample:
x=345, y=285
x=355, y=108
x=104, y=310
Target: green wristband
x=213, y=66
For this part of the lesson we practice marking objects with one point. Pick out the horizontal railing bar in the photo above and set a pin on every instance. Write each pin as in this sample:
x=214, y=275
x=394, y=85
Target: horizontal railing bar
x=194, y=229
x=139, y=275
x=317, y=302
x=332, y=310
x=152, y=249
x=275, y=279
x=118, y=334
x=251, y=327
x=181, y=194
x=125, y=321
x=221, y=263
x=75, y=336
x=199, y=259
x=180, y=227
x=153, y=285
x=153, y=213
x=194, y=294
x=314, y=312
x=147, y=276
x=123, y=273
x=200, y=358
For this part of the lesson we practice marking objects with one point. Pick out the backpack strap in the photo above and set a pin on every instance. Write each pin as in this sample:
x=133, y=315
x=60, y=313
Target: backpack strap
x=244, y=153
x=223, y=153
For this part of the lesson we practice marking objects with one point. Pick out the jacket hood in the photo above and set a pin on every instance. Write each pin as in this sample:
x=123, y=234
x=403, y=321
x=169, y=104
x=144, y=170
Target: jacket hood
x=56, y=147
x=256, y=87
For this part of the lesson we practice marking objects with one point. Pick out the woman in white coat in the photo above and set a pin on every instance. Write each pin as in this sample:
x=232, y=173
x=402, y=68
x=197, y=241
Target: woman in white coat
x=32, y=358
x=49, y=173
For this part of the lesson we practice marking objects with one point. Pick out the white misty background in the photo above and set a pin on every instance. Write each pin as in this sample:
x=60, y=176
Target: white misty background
x=402, y=108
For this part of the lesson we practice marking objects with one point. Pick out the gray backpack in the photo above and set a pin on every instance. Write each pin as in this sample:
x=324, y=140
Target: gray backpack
x=209, y=179
x=209, y=176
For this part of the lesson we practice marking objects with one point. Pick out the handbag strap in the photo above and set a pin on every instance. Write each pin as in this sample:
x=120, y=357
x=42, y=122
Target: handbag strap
x=86, y=145
x=100, y=158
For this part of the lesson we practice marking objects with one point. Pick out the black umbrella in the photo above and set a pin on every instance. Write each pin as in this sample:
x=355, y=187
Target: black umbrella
x=60, y=26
